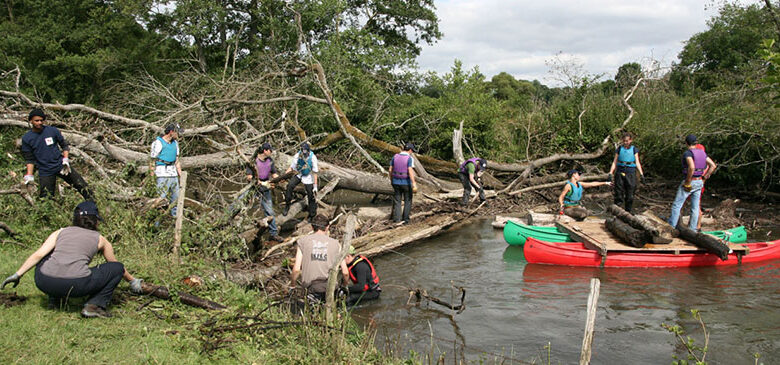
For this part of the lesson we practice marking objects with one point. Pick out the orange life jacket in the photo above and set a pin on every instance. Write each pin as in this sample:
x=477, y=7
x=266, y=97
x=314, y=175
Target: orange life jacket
x=374, y=284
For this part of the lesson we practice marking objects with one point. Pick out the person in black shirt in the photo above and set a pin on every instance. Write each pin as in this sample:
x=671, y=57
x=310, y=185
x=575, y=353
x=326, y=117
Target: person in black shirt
x=364, y=278
x=41, y=148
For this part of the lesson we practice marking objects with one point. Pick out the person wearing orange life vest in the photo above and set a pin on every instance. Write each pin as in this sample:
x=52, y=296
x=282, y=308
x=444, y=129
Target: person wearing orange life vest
x=364, y=278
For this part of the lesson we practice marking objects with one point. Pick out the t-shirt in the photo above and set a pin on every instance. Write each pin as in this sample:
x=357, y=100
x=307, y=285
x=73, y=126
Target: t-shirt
x=470, y=168
x=43, y=150
x=163, y=170
x=251, y=170
x=409, y=164
x=306, y=179
x=73, y=250
x=319, y=253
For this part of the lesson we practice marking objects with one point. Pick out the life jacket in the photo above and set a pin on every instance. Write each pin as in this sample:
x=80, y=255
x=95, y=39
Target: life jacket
x=304, y=166
x=474, y=161
x=263, y=168
x=626, y=157
x=574, y=196
x=699, y=162
x=401, y=166
x=167, y=155
x=374, y=283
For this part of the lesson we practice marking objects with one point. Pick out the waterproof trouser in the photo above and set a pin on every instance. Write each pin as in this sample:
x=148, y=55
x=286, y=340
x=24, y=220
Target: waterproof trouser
x=402, y=192
x=625, y=186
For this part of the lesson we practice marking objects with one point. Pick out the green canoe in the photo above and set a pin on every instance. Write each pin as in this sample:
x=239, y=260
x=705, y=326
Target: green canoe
x=516, y=234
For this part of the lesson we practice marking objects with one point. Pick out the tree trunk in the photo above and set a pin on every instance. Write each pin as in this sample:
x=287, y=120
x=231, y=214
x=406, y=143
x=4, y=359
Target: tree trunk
x=186, y=298
x=664, y=229
x=629, y=235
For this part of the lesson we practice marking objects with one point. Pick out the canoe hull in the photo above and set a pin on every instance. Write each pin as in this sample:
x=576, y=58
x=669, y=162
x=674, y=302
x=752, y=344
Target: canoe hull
x=575, y=254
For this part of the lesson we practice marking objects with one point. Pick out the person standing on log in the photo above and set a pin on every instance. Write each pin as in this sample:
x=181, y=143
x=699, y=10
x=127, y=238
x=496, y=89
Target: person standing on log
x=166, y=165
x=61, y=265
x=315, y=255
x=698, y=225
x=364, y=278
x=470, y=174
x=44, y=147
x=263, y=171
x=305, y=164
x=571, y=195
x=625, y=164
x=696, y=167
x=403, y=180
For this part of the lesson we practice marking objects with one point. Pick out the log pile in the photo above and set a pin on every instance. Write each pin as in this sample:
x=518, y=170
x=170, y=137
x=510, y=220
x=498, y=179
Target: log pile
x=656, y=232
x=630, y=235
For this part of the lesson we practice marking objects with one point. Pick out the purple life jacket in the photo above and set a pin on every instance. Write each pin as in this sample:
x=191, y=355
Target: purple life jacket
x=401, y=166
x=263, y=168
x=699, y=162
x=474, y=160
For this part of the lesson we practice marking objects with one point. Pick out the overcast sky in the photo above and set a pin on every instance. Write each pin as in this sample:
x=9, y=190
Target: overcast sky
x=518, y=36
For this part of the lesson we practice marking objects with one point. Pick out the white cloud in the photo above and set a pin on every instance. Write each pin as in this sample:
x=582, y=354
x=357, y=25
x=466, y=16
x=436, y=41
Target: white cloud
x=517, y=36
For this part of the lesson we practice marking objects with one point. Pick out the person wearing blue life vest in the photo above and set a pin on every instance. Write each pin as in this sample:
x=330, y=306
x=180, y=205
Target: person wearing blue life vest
x=165, y=164
x=44, y=147
x=470, y=174
x=403, y=181
x=262, y=171
x=571, y=195
x=696, y=167
x=305, y=164
x=623, y=172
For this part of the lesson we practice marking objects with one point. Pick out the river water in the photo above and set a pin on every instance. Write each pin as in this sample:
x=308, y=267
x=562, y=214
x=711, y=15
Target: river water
x=514, y=309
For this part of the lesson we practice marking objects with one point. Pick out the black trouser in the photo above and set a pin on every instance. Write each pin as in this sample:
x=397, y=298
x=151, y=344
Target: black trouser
x=402, y=192
x=625, y=185
x=464, y=179
x=99, y=285
x=309, y=194
x=73, y=179
x=355, y=298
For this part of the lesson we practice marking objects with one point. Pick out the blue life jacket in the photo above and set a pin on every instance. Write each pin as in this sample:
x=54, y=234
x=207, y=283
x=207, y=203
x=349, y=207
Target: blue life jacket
x=304, y=166
x=574, y=195
x=167, y=155
x=626, y=157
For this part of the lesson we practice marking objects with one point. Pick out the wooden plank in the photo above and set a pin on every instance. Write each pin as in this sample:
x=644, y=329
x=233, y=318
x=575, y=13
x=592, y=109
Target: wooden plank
x=590, y=323
x=577, y=233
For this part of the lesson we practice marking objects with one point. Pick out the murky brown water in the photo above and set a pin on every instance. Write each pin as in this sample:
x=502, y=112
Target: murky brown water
x=514, y=309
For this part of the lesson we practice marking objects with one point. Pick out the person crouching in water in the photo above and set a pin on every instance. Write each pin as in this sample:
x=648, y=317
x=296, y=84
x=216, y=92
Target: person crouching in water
x=624, y=167
x=364, y=278
x=61, y=269
x=571, y=195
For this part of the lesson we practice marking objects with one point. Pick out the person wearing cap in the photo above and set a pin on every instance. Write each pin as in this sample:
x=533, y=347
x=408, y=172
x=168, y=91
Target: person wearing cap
x=165, y=164
x=470, y=172
x=364, y=278
x=304, y=163
x=403, y=181
x=262, y=172
x=61, y=265
x=571, y=195
x=623, y=172
x=44, y=147
x=696, y=167
x=315, y=255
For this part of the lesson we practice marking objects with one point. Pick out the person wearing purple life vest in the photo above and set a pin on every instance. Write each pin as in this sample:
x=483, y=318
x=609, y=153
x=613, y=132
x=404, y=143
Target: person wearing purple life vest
x=404, y=184
x=469, y=172
x=262, y=172
x=696, y=167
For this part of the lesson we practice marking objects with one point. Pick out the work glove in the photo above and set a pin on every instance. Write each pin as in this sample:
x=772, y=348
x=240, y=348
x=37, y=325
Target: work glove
x=414, y=188
x=11, y=279
x=687, y=187
x=29, y=179
x=65, y=166
x=314, y=189
x=135, y=286
x=642, y=178
x=609, y=177
x=342, y=292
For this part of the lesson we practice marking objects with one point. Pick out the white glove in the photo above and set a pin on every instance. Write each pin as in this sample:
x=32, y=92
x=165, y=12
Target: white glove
x=135, y=286
x=314, y=189
x=65, y=166
x=29, y=179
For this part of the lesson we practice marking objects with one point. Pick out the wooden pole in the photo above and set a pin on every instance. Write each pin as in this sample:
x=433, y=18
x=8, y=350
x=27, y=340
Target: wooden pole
x=179, y=213
x=590, y=323
x=330, y=302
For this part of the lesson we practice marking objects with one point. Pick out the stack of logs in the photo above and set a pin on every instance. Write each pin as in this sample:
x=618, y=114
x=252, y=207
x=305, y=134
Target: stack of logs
x=637, y=230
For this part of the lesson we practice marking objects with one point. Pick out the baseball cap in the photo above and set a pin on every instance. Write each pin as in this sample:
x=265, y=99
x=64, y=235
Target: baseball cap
x=87, y=207
x=409, y=146
x=482, y=164
x=266, y=146
x=691, y=139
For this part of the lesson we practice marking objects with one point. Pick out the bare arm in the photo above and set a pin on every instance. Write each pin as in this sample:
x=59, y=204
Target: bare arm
x=345, y=272
x=296, y=271
x=40, y=253
x=566, y=189
x=473, y=182
x=178, y=165
x=594, y=184
x=614, y=165
x=108, y=252
x=30, y=168
x=711, y=166
x=412, y=177
x=638, y=165
x=691, y=168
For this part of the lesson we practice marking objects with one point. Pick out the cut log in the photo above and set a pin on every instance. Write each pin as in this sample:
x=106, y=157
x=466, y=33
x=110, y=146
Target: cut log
x=377, y=243
x=710, y=243
x=546, y=219
x=186, y=298
x=630, y=236
x=297, y=207
x=374, y=212
x=640, y=224
x=458, y=194
x=664, y=229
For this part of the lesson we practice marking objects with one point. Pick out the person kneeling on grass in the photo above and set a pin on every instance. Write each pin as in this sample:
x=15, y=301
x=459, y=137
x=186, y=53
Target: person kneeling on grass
x=61, y=269
x=571, y=195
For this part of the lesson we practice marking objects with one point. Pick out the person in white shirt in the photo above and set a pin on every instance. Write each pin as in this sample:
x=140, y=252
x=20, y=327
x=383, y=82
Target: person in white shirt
x=165, y=164
x=305, y=164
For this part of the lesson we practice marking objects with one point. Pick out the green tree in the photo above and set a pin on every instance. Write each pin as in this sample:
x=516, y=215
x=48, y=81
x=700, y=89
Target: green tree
x=627, y=75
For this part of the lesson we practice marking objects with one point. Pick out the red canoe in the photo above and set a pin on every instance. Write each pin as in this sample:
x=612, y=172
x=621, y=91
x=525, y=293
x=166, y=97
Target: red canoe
x=575, y=254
